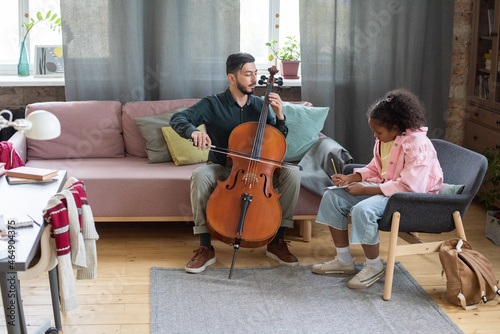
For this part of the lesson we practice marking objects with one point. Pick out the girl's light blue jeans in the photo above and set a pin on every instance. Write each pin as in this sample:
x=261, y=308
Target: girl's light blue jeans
x=365, y=212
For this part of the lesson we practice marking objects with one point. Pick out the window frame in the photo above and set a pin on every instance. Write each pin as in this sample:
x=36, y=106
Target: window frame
x=11, y=69
x=273, y=34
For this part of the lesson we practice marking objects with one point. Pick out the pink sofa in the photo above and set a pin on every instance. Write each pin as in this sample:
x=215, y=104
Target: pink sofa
x=101, y=145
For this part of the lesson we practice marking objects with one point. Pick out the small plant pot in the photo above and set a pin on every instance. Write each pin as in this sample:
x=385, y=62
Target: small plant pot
x=290, y=68
x=492, y=230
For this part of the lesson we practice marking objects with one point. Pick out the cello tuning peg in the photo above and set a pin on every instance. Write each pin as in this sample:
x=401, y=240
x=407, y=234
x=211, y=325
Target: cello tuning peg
x=279, y=81
x=263, y=77
x=261, y=82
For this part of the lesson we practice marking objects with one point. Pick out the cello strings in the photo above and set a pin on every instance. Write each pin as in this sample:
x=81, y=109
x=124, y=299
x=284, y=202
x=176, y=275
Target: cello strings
x=257, y=159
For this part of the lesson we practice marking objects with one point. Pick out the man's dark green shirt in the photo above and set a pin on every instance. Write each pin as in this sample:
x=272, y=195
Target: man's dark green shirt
x=221, y=114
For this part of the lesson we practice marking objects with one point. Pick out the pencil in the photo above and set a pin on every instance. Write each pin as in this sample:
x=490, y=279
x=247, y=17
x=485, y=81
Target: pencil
x=334, y=169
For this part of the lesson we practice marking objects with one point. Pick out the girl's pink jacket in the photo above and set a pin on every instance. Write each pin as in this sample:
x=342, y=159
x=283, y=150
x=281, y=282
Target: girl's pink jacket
x=413, y=165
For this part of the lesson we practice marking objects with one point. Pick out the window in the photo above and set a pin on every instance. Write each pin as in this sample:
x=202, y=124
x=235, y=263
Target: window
x=263, y=21
x=13, y=15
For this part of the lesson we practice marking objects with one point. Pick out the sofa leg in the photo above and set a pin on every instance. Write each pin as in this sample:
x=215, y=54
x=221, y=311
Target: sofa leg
x=305, y=230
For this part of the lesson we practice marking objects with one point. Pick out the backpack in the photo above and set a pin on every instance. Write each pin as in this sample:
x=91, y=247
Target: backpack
x=470, y=278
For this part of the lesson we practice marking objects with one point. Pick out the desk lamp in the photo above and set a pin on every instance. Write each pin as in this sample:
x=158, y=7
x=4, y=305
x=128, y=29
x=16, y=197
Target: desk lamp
x=40, y=124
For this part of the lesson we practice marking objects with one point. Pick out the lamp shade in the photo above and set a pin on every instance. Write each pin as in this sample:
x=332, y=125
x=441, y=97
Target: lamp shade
x=44, y=125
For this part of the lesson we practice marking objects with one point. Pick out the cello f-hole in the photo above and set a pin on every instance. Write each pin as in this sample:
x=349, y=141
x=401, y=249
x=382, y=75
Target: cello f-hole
x=265, y=186
x=229, y=187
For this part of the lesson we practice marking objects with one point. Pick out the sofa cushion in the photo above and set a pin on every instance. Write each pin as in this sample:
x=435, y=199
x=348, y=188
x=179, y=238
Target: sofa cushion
x=89, y=129
x=183, y=152
x=129, y=186
x=150, y=127
x=304, y=124
x=135, y=144
x=116, y=187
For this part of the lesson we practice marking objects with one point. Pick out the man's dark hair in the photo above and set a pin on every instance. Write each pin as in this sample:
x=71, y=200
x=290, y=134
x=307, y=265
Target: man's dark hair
x=235, y=62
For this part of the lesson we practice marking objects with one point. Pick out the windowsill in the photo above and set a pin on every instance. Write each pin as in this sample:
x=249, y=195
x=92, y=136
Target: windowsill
x=288, y=83
x=17, y=81
x=292, y=82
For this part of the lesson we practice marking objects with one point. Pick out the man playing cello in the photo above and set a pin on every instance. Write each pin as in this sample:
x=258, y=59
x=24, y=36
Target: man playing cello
x=221, y=113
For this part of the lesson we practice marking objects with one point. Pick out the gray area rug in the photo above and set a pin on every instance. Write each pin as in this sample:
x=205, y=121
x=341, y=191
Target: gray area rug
x=288, y=300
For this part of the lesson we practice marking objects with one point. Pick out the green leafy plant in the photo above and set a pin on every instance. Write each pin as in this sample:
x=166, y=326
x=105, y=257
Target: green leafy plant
x=49, y=18
x=491, y=179
x=290, y=50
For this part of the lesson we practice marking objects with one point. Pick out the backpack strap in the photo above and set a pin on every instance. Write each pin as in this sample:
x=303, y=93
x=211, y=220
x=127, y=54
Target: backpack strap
x=463, y=302
x=483, y=272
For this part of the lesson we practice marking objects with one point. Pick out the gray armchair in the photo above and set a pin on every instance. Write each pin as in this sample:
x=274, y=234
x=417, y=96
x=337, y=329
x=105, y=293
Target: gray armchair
x=407, y=214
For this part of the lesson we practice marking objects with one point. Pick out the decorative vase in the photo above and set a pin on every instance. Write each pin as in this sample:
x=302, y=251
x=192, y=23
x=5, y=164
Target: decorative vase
x=492, y=230
x=289, y=69
x=23, y=66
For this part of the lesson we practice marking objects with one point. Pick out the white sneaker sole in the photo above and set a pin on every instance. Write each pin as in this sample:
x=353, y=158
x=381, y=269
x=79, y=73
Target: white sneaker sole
x=330, y=272
x=200, y=269
x=352, y=285
x=274, y=257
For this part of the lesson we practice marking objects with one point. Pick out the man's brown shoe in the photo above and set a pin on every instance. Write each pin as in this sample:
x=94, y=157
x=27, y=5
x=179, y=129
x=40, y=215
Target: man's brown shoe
x=202, y=258
x=280, y=253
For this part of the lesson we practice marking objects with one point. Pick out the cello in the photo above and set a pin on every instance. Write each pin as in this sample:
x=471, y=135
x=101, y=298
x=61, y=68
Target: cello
x=244, y=210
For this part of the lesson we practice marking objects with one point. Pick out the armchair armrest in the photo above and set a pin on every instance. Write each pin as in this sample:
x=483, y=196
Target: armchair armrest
x=348, y=169
x=18, y=141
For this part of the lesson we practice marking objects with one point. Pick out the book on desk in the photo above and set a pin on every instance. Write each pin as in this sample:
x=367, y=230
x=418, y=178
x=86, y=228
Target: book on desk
x=26, y=174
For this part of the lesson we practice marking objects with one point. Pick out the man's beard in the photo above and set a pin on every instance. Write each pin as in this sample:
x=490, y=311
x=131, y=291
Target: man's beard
x=244, y=90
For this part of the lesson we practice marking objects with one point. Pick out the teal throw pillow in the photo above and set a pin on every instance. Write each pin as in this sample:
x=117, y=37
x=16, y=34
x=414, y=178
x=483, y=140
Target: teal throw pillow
x=150, y=127
x=451, y=189
x=304, y=125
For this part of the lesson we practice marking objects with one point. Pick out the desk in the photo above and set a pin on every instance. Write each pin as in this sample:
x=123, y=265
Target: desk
x=17, y=201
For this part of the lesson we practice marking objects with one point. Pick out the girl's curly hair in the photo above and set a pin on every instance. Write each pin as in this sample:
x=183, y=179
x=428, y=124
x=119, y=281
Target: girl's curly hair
x=400, y=107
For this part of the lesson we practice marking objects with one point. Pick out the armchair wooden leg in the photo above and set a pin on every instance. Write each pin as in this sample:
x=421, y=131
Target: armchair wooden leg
x=306, y=230
x=459, y=225
x=391, y=256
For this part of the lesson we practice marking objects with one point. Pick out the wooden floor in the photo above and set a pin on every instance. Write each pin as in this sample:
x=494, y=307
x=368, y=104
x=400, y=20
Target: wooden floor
x=118, y=300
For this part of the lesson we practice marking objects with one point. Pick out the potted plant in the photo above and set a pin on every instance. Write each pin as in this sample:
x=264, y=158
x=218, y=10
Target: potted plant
x=289, y=55
x=491, y=194
x=49, y=18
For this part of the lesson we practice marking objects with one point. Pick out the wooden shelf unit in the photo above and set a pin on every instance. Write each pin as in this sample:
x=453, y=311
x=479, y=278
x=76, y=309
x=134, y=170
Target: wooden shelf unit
x=482, y=128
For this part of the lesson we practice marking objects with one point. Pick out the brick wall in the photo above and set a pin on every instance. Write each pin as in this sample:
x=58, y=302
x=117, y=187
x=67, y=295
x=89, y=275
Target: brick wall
x=20, y=97
x=462, y=31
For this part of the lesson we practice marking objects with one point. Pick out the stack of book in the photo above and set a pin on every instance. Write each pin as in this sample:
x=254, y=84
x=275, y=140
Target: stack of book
x=26, y=174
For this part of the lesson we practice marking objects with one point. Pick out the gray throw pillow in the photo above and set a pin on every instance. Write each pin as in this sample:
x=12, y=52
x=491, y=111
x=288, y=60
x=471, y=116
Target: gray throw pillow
x=451, y=189
x=150, y=127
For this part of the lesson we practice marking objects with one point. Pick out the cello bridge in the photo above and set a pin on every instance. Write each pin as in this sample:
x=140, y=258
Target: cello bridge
x=250, y=178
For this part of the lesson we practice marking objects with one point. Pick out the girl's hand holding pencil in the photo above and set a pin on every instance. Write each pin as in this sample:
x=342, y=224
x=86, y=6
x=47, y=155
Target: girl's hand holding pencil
x=343, y=180
x=340, y=180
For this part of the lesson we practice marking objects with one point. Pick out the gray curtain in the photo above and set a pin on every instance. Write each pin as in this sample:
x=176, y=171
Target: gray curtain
x=353, y=52
x=131, y=50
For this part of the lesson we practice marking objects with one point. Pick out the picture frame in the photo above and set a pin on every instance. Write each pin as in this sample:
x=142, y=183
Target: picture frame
x=49, y=61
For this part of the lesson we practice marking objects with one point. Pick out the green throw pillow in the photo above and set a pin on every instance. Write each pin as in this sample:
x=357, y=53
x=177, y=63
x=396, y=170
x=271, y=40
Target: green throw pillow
x=182, y=150
x=304, y=125
x=451, y=189
x=150, y=127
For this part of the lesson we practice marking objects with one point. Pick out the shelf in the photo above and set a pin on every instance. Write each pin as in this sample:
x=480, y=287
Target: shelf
x=16, y=81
